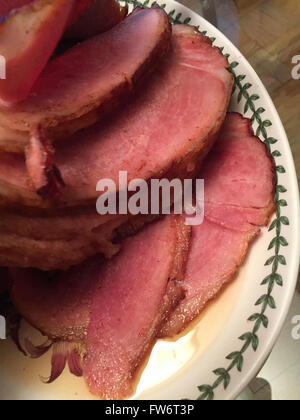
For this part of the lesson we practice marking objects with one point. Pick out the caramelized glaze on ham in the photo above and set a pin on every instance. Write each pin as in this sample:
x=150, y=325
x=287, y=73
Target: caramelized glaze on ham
x=239, y=179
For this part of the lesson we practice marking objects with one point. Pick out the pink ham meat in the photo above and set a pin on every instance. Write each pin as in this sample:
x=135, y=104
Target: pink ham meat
x=240, y=177
x=68, y=97
x=166, y=129
x=137, y=289
x=239, y=198
x=59, y=304
x=99, y=17
x=28, y=37
x=115, y=308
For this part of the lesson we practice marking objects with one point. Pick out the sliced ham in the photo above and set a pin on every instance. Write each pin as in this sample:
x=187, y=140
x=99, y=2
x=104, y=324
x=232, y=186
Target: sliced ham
x=166, y=129
x=59, y=304
x=28, y=37
x=99, y=17
x=240, y=170
x=69, y=241
x=57, y=253
x=76, y=86
x=137, y=290
x=115, y=308
x=239, y=198
x=214, y=259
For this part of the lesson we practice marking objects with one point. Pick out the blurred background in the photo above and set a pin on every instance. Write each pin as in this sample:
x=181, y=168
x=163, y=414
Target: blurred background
x=267, y=32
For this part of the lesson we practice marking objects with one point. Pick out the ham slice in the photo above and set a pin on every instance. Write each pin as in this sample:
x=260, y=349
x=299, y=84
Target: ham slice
x=28, y=37
x=103, y=84
x=215, y=256
x=115, y=308
x=239, y=179
x=99, y=17
x=66, y=98
x=59, y=304
x=136, y=291
x=168, y=133
x=165, y=130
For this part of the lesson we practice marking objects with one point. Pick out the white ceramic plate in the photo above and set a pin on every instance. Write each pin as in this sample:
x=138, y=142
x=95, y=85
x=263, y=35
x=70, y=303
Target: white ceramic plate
x=223, y=350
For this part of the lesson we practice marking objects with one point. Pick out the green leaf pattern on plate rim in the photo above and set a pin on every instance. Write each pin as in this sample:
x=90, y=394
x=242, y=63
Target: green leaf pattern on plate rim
x=266, y=302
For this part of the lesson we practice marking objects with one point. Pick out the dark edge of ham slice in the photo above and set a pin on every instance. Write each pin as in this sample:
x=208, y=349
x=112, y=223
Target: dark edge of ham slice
x=100, y=16
x=45, y=176
x=29, y=36
x=220, y=244
x=4, y=280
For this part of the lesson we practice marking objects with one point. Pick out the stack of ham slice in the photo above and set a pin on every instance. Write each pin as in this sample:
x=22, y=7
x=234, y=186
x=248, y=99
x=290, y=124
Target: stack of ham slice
x=135, y=95
x=239, y=198
x=165, y=130
x=115, y=308
x=105, y=305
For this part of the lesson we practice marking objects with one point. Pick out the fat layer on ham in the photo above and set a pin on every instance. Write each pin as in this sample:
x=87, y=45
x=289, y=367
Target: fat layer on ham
x=239, y=180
